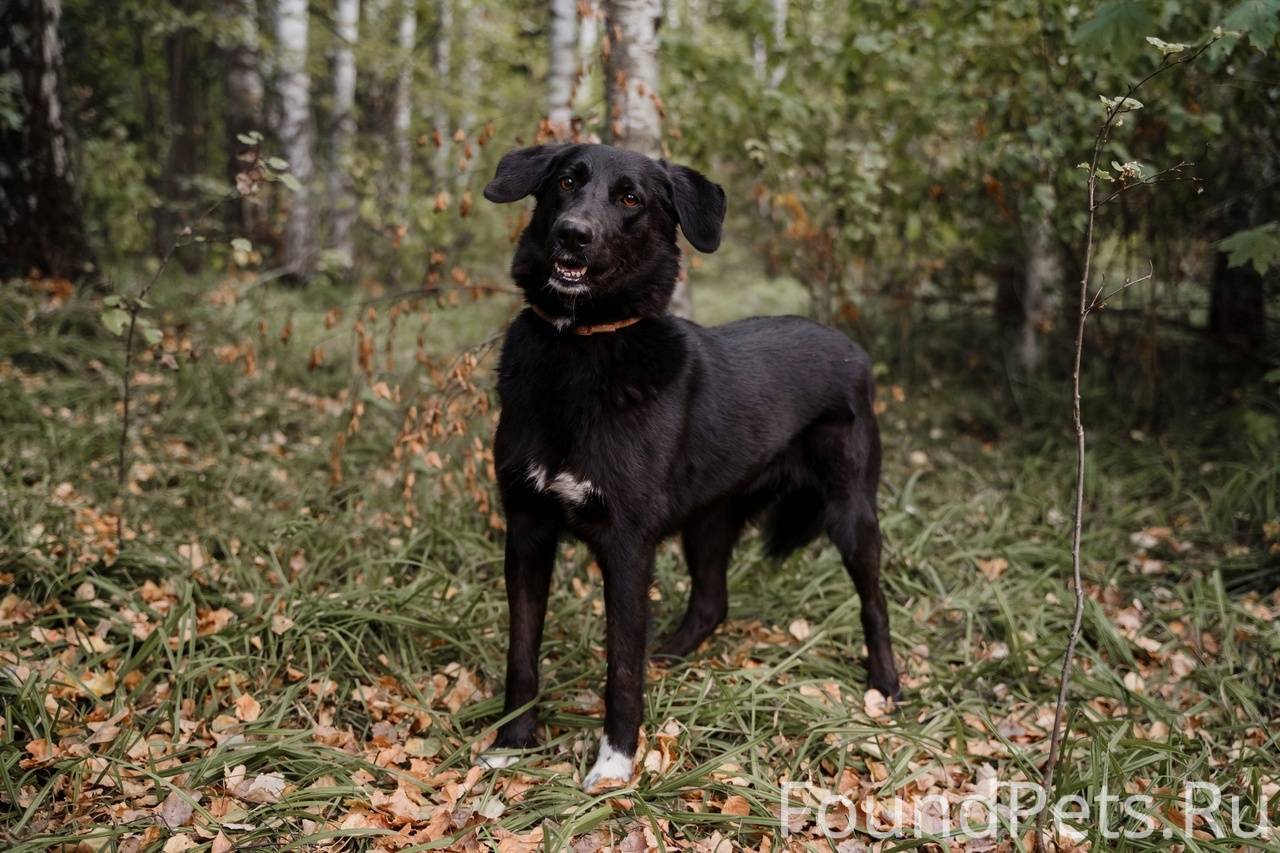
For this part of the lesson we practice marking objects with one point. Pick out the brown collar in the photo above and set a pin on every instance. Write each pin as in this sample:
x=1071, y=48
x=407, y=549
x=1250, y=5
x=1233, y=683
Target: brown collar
x=561, y=322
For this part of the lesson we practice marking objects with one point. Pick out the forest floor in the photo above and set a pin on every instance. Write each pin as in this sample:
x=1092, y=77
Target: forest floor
x=300, y=645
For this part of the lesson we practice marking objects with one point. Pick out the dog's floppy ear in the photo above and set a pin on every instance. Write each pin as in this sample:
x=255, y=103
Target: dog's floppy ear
x=520, y=172
x=699, y=205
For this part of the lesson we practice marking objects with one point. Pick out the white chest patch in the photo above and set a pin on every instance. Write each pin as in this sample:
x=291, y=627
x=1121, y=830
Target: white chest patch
x=569, y=488
x=611, y=770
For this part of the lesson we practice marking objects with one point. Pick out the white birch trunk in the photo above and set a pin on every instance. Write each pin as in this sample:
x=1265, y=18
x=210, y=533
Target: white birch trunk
x=562, y=70
x=632, y=78
x=779, y=42
x=588, y=36
x=406, y=34
x=346, y=21
x=635, y=122
x=293, y=84
x=442, y=59
x=245, y=91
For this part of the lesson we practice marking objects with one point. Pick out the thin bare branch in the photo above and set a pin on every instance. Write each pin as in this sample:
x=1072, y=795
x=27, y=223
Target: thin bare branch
x=1115, y=109
x=1100, y=301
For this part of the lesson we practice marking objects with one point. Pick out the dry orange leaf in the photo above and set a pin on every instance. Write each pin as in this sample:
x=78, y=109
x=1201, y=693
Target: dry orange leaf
x=248, y=709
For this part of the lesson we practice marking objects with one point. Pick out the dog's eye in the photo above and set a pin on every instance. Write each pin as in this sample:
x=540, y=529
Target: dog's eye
x=567, y=184
x=630, y=200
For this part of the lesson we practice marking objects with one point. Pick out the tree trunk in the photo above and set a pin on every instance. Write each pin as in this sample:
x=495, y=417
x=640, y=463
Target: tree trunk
x=293, y=83
x=342, y=203
x=1237, y=304
x=244, y=107
x=41, y=221
x=635, y=120
x=442, y=59
x=1024, y=300
x=185, y=61
x=584, y=97
x=402, y=120
x=779, y=42
x=563, y=67
x=635, y=117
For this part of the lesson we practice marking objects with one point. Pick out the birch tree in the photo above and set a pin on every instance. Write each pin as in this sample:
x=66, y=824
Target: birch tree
x=562, y=70
x=588, y=36
x=635, y=120
x=632, y=76
x=293, y=84
x=442, y=60
x=346, y=21
x=402, y=120
x=41, y=221
x=244, y=101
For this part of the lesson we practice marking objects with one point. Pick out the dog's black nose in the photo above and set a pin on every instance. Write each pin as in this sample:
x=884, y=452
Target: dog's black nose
x=574, y=232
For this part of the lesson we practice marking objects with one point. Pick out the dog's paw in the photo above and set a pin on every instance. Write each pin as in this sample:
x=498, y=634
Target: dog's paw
x=496, y=759
x=613, y=769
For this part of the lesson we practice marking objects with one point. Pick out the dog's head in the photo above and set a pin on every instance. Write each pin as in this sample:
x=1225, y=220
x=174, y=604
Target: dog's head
x=602, y=242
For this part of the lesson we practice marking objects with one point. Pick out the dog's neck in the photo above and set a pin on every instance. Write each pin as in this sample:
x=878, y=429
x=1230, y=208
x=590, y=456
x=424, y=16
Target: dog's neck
x=566, y=323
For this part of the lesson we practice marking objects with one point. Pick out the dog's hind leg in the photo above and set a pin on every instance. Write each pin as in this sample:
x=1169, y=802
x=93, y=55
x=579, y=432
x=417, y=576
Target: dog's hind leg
x=848, y=454
x=708, y=544
x=855, y=531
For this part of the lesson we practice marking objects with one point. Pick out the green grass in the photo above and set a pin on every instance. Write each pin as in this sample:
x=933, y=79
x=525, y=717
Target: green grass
x=359, y=636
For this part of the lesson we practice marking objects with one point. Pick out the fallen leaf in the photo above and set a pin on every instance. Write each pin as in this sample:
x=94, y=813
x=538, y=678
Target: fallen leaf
x=176, y=809
x=993, y=568
x=178, y=843
x=800, y=629
x=265, y=788
x=247, y=708
x=220, y=844
x=396, y=804
x=736, y=805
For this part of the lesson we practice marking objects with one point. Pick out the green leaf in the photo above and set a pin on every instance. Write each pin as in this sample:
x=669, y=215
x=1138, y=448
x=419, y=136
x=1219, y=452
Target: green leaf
x=290, y=181
x=112, y=301
x=115, y=319
x=1260, y=19
x=1117, y=27
x=152, y=335
x=277, y=163
x=1258, y=246
x=240, y=244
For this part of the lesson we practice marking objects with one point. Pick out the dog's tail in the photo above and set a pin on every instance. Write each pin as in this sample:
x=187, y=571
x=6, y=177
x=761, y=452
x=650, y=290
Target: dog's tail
x=793, y=521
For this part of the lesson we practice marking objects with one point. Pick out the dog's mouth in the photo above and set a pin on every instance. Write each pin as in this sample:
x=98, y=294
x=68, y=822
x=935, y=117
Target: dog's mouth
x=569, y=272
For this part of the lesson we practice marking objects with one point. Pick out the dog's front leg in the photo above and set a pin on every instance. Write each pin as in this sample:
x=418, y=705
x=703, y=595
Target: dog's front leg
x=530, y=556
x=627, y=572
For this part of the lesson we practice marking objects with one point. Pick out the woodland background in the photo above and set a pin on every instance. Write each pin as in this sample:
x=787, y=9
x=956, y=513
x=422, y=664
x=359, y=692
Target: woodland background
x=249, y=544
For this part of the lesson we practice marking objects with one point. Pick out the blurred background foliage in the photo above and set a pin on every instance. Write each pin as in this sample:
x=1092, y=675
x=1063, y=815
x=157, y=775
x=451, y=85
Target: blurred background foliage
x=907, y=162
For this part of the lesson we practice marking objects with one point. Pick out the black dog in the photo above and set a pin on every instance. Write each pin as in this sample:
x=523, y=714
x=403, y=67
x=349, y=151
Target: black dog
x=624, y=425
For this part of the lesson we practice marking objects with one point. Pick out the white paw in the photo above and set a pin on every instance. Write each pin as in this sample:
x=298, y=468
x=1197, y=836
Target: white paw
x=611, y=770
x=496, y=760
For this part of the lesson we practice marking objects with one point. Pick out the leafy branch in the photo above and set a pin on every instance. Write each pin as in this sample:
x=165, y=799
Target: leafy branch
x=1173, y=55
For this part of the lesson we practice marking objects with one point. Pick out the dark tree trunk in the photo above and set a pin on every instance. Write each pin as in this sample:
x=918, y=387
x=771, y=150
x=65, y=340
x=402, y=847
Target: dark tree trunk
x=41, y=221
x=1237, y=304
x=183, y=52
